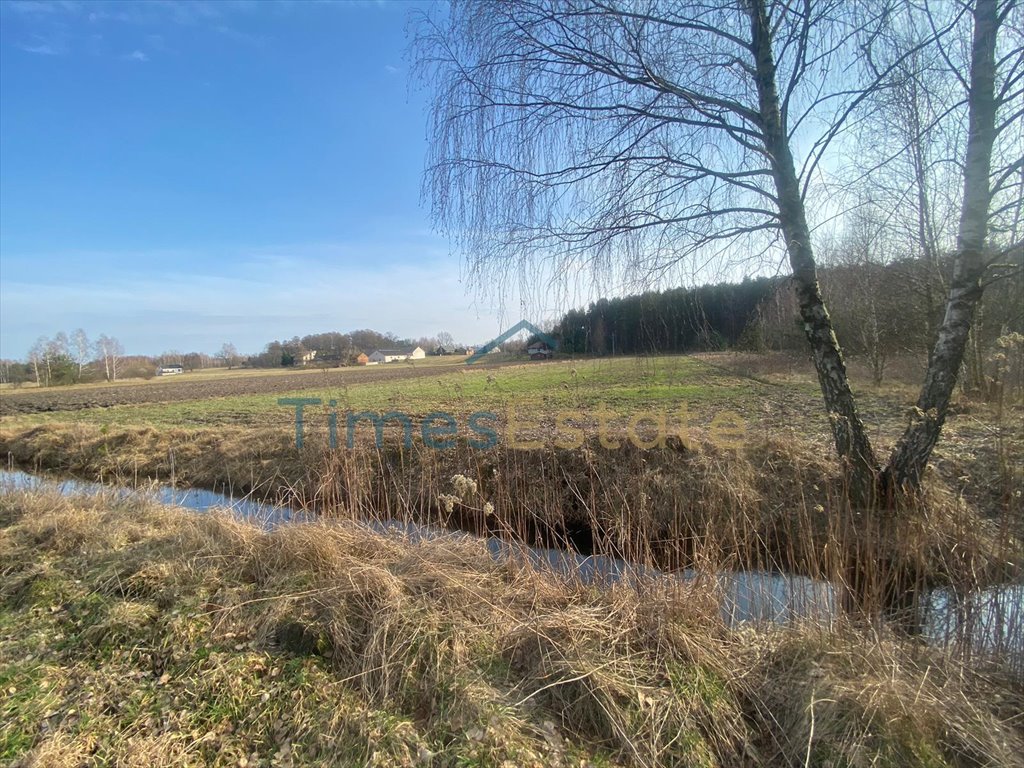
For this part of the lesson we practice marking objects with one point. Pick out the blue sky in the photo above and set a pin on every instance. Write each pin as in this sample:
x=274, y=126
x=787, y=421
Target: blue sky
x=181, y=174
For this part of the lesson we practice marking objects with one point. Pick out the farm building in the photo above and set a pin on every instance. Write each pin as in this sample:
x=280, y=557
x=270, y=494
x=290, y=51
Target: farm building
x=393, y=355
x=539, y=350
x=169, y=370
x=363, y=359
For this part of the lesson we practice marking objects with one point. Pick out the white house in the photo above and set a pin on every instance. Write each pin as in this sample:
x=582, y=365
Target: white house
x=169, y=370
x=392, y=355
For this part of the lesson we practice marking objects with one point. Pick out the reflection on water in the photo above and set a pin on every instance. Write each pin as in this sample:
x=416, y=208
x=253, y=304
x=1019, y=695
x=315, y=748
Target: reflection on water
x=264, y=515
x=988, y=621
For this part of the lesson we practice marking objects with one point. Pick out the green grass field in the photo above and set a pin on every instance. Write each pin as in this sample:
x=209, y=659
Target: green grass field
x=769, y=395
x=625, y=385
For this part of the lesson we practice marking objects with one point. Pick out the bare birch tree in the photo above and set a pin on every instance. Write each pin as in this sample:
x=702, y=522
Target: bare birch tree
x=634, y=136
x=993, y=94
x=101, y=352
x=37, y=357
x=110, y=351
x=905, y=159
x=116, y=352
x=228, y=354
x=81, y=348
x=857, y=284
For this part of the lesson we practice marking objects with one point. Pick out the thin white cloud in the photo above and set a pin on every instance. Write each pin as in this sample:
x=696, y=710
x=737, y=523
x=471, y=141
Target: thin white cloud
x=239, y=36
x=391, y=69
x=42, y=49
x=37, y=8
x=45, y=42
x=60, y=26
x=268, y=297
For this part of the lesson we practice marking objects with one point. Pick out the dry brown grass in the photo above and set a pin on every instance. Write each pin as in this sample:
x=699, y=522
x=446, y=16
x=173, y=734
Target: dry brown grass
x=773, y=505
x=136, y=634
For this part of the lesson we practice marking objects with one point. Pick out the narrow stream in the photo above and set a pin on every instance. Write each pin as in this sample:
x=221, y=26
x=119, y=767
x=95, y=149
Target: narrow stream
x=987, y=621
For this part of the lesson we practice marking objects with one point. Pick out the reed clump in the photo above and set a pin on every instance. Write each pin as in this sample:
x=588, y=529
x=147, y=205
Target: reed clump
x=772, y=504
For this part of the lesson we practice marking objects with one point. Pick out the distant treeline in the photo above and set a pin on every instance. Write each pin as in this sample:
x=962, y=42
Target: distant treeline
x=710, y=317
x=334, y=348
x=880, y=311
x=72, y=358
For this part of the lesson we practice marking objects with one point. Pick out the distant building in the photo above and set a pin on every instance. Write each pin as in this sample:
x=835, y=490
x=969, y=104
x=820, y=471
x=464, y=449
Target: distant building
x=539, y=350
x=394, y=355
x=494, y=346
x=441, y=351
x=363, y=359
x=386, y=356
x=169, y=370
x=309, y=357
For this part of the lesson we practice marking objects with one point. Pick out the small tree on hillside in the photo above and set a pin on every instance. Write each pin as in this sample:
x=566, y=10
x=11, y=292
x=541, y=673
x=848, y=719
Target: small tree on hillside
x=446, y=340
x=229, y=355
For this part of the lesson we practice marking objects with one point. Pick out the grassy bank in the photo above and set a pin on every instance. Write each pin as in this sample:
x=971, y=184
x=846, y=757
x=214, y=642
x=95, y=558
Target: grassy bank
x=137, y=634
x=772, y=504
x=772, y=396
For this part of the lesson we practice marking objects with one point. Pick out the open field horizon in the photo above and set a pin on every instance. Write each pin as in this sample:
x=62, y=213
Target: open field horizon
x=626, y=382
x=768, y=394
x=620, y=456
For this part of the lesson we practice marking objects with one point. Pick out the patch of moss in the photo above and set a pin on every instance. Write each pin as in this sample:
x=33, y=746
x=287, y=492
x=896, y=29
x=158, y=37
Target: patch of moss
x=701, y=683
